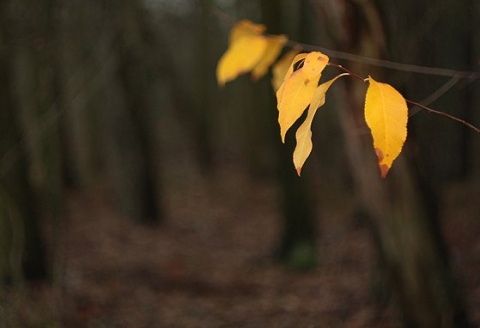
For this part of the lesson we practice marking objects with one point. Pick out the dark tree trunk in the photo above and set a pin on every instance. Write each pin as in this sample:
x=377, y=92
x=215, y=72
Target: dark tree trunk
x=128, y=131
x=22, y=173
x=137, y=72
x=74, y=66
x=402, y=208
x=297, y=246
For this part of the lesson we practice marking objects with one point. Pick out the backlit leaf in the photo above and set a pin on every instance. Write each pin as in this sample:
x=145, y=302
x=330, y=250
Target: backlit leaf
x=274, y=46
x=297, y=90
x=245, y=28
x=297, y=94
x=280, y=69
x=314, y=64
x=386, y=114
x=304, y=144
x=297, y=59
x=246, y=48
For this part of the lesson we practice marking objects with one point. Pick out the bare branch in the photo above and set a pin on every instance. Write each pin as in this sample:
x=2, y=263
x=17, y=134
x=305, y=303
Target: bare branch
x=434, y=71
x=454, y=118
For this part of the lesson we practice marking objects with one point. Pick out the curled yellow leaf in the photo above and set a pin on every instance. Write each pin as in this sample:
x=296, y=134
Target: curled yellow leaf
x=246, y=48
x=314, y=64
x=280, y=69
x=304, y=144
x=274, y=46
x=297, y=59
x=297, y=94
x=297, y=90
x=386, y=114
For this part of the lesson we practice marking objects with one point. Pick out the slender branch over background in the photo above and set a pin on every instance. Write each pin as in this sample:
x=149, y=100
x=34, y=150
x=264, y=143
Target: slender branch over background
x=418, y=69
x=410, y=68
x=419, y=105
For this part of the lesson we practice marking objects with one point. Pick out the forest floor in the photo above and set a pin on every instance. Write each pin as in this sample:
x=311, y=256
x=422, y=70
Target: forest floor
x=210, y=265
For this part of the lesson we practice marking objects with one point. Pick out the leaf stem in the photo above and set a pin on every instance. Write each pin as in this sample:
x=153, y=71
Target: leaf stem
x=340, y=67
x=428, y=109
x=454, y=118
x=455, y=75
x=410, y=68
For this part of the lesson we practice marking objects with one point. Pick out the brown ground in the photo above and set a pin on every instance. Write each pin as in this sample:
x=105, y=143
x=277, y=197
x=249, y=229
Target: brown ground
x=210, y=265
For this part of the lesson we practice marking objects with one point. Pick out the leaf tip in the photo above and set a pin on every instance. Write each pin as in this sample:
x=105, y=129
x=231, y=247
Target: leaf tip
x=383, y=170
x=299, y=171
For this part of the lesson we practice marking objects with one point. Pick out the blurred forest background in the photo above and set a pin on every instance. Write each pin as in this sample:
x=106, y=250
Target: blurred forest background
x=136, y=193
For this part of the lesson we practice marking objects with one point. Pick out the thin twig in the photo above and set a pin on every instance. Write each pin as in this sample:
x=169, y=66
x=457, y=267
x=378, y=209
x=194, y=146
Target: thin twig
x=223, y=15
x=426, y=70
x=435, y=71
x=437, y=94
x=454, y=118
x=355, y=75
x=419, y=69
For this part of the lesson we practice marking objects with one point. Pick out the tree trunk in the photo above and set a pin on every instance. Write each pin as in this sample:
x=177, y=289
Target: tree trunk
x=74, y=64
x=128, y=134
x=32, y=100
x=137, y=73
x=297, y=246
x=401, y=208
x=414, y=266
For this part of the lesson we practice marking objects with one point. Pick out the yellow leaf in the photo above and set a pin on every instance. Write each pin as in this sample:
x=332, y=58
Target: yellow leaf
x=386, y=114
x=245, y=27
x=274, y=46
x=247, y=46
x=314, y=64
x=280, y=69
x=298, y=58
x=297, y=89
x=297, y=94
x=304, y=144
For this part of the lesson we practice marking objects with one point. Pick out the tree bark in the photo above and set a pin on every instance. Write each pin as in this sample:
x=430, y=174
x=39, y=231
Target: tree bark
x=32, y=184
x=128, y=135
x=402, y=209
x=297, y=247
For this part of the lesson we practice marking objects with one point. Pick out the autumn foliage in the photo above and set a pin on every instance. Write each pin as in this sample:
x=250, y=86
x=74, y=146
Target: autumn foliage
x=299, y=88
